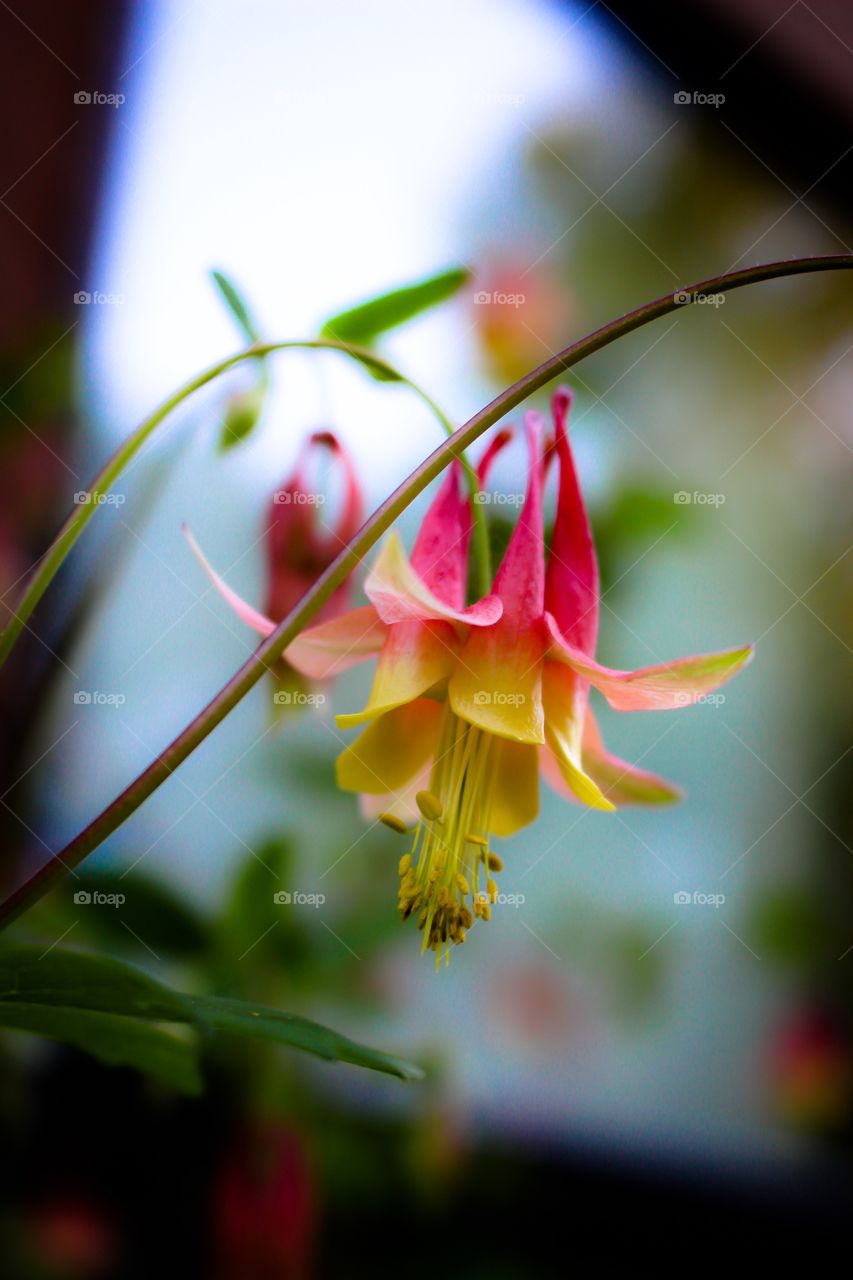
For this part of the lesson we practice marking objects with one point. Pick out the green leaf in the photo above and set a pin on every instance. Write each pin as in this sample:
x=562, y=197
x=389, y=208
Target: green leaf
x=363, y=323
x=236, y=305
x=75, y=980
x=116, y=1040
x=108, y=1008
x=262, y=1022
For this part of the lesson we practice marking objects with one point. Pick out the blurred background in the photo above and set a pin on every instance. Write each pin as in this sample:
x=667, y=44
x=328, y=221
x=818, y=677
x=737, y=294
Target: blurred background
x=604, y=1050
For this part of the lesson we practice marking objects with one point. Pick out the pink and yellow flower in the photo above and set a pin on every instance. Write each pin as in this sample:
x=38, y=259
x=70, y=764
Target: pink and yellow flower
x=470, y=703
x=299, y=545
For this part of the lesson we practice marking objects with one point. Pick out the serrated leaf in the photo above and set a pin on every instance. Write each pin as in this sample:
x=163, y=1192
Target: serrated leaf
x=262, y=1022
x=236, y=305
x=365, y=322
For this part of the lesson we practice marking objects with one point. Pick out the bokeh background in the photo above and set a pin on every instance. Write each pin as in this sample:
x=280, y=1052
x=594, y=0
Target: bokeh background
x=602, y=1055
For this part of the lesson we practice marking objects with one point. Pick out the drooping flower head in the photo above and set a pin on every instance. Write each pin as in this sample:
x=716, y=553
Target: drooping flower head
x=299, y=545
x=469, y=704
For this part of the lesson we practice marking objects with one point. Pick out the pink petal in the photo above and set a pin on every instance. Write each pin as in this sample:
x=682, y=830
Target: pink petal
x=658, y=688
x=621, y=782
x=332, y=647
x=401, y=595
x=440, y=554
x=495, y=446
x=520, y=580
x=571, y=583
x=245, y=612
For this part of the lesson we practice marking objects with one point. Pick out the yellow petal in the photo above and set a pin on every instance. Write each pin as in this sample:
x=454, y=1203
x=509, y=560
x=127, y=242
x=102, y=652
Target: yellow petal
x=564, y=699
x=515, y=797
x=416, y=657
x=392, y=751
x=497, y=684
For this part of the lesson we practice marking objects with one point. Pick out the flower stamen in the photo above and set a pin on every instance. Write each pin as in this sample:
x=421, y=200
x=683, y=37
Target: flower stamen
x=443, y=875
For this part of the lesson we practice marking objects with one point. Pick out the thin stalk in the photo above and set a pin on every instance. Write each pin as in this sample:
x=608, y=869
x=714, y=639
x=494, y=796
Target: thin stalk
x=273, y=646
x=79, y=517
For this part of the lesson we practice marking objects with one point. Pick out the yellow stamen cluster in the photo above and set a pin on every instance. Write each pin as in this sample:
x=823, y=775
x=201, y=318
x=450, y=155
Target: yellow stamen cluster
x=450, y=864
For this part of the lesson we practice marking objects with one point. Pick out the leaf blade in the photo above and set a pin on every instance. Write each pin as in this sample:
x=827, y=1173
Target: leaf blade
x=239, y=1017
x=365, y=322
x=113, y=1039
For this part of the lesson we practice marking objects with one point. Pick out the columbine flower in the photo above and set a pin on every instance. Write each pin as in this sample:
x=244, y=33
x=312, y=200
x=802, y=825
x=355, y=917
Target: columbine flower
x=297, y=552
x=468, y=704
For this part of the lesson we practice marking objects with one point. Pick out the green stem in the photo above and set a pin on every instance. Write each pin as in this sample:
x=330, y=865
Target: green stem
x=76, y=522
x=274, y=645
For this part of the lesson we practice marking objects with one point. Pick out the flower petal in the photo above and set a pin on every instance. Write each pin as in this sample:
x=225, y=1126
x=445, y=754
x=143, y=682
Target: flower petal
x=245, y=612
x=520, y=579
x=440, y=554
x=392, y=751
x=401, y=595
x=497, y=683
x=331, y=647
x=571, y=581
x=515, y=795
x=622, y=783
x=658, y=688
x=415, y=657
x=564, y=698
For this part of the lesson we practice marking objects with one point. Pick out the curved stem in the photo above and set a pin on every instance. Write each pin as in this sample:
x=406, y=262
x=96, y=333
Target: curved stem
x=80, y=516
x=274, y=645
